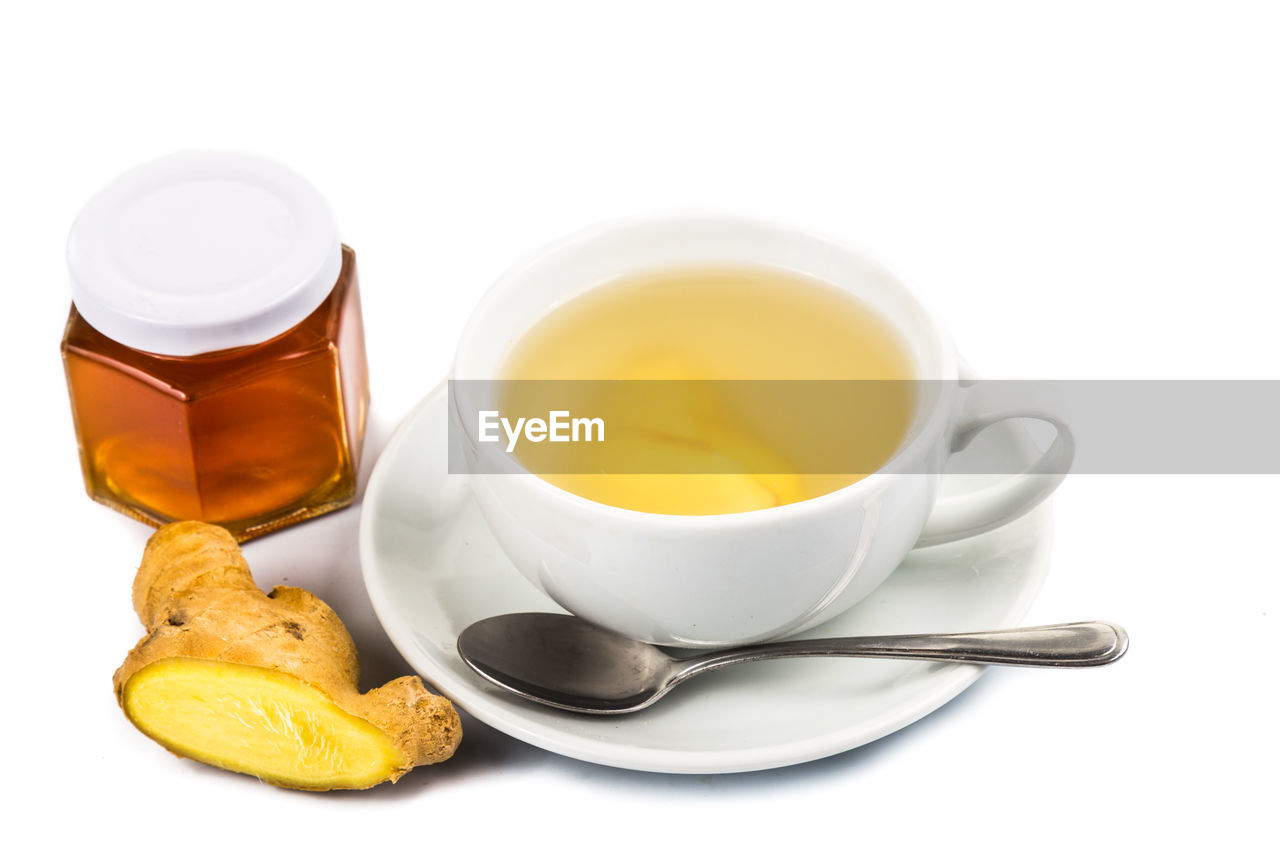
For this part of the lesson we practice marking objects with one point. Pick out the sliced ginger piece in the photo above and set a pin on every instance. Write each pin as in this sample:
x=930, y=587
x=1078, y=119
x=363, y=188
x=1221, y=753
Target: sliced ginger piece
x=264, y=685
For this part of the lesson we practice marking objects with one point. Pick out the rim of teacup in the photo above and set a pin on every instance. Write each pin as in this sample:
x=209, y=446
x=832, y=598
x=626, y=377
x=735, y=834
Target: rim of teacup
x=926, y=432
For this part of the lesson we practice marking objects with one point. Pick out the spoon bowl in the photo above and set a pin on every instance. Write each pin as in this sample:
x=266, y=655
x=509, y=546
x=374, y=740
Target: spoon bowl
x=569, y=663
x=566, y=662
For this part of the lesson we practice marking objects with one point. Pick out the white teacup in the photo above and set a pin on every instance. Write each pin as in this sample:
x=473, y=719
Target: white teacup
x=711, y=580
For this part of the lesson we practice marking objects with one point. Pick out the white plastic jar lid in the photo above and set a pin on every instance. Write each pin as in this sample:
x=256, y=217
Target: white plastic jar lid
x=202, y=251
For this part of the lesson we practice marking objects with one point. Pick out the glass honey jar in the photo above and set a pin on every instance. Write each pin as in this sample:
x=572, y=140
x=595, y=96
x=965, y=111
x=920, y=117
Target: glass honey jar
x=214, y=351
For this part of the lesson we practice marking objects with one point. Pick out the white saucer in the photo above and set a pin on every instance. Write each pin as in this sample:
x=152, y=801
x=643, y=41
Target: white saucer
x=432, y=568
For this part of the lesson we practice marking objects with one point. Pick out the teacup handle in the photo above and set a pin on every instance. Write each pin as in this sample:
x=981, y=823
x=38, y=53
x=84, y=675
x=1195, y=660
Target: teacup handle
x=968, y=515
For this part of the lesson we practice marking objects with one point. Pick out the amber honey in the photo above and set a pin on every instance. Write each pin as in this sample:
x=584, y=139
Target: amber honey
x=252, y=438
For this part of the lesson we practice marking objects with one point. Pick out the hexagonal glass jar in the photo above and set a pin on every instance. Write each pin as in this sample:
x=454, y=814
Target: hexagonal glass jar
x=251, y=436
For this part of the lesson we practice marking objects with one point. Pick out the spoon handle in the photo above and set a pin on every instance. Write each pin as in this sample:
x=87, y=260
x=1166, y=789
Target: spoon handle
x=1071, y=644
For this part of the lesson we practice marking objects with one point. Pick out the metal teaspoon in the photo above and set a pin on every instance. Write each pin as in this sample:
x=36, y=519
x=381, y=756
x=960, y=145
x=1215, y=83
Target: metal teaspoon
x=569, y=663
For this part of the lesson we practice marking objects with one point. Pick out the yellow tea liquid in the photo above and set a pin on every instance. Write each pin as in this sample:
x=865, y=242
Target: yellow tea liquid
x=713, y=323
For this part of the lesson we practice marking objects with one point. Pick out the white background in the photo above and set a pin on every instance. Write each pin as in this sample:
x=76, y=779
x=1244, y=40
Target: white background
x=1076, y=190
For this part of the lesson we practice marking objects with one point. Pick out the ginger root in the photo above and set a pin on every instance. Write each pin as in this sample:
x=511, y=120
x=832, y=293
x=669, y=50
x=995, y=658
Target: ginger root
x=264, y=684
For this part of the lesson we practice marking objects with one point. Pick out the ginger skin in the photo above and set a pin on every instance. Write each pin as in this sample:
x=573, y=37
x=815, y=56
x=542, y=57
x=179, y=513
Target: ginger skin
x=264, y=684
